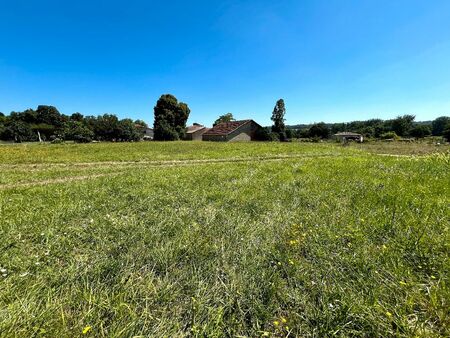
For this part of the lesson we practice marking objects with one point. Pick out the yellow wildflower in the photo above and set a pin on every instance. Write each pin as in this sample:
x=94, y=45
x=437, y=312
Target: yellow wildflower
x=87, y=329
x=291, y=262
x=276, y=323
x=402, y=283
x=388, y=314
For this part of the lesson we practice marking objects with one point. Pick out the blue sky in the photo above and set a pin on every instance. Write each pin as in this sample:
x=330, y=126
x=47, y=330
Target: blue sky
x=331, y=60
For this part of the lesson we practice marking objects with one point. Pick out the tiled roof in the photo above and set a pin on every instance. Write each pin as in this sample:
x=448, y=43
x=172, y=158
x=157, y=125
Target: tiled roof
x=193, y=129
x=226, y=128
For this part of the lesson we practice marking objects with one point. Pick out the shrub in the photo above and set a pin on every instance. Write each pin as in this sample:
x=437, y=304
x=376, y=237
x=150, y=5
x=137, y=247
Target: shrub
x=389, y=135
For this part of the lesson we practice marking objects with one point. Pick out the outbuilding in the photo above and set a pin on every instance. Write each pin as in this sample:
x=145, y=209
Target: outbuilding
x=346, y=136
x=195, y=132
x=244, y=130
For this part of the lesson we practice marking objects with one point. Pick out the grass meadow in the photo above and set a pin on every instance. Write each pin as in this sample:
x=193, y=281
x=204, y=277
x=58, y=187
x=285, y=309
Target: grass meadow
x=198, y=239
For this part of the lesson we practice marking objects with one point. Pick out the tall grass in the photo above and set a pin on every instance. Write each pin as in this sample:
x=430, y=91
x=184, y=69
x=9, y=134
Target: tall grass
x=312, y=247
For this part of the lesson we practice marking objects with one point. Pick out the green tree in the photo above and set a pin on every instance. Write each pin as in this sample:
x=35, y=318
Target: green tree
x=446, y=133
x=420, y=131
x=402, y=124
x=278, y=117
x=49, y=115
x=438, y=125
x=170, y=118
x=77, y=131
x=106, y=127
x=228, y=117
x=128, y=131
x=319, y=130
x=18, y=131
x=77, y=117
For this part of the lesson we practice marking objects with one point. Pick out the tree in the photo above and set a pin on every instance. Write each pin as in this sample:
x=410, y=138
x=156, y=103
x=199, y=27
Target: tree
x=278, y=117
x=402, y=124
x=319, y=130
x=77, y=131
x=128, y=131
x=18, y=131
x=228, y=117
x=77, y=117
x=446, y=133
x=49, y=115
x=420, y=131
x=181, y=117
x=438, y=125
x=106, y=127
x=170, y=118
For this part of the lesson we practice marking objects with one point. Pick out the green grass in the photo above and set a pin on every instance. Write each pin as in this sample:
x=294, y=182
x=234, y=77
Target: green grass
x=335, y=241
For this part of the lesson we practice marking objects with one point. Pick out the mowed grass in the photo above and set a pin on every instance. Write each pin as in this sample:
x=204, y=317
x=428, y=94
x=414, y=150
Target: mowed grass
x=331, y=241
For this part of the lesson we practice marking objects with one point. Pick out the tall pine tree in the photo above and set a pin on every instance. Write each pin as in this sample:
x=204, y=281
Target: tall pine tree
x=278, y=117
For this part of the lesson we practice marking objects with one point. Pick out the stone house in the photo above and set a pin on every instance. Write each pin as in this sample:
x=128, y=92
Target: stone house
x=244, y=130
x=195, y=132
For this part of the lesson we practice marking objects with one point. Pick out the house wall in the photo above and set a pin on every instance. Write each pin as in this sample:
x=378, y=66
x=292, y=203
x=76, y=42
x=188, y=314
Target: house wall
x=195, y=136
x=244, y=133
x=214, y=138
x=240, y=137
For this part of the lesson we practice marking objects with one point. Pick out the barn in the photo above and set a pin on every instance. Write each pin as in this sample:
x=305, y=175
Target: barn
x=195, y=132
x=244, y=130
x=349, y=136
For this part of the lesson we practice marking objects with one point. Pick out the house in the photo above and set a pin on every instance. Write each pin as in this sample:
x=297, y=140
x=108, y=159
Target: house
x=148, y=134
x=346, y=136
x=195, y=132
x=244, y=130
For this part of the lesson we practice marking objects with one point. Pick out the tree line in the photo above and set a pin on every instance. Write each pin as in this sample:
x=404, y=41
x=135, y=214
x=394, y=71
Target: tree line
x=46, y=123
x=401, y=126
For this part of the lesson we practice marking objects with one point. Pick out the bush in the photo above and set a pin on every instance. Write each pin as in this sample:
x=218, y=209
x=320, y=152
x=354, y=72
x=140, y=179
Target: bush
x=389, y=135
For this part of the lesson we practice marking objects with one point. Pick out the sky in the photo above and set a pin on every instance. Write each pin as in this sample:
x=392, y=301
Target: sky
x=330, y=60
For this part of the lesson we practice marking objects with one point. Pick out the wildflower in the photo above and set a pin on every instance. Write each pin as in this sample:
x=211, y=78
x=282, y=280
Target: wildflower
x=388, y=314
x=291, y=262
x=433, y=277
x=402, y=283
x=283, y=320
x=276, y=323
x=3, y=270
x=287, y=328
x=279, y=263
x=384, y=247
x=292, y=242
x=87, y=329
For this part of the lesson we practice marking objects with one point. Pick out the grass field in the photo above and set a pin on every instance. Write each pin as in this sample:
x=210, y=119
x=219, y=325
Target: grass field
x=213, y=239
